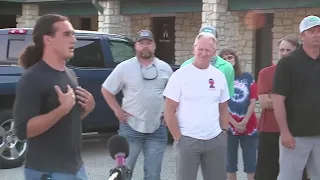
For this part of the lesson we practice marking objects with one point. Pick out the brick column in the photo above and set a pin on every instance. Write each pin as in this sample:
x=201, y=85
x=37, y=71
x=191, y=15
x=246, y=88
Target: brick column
x=30, y=14
x=110, y=21
x=235, y=30
x=232, y=30
x=214, y=13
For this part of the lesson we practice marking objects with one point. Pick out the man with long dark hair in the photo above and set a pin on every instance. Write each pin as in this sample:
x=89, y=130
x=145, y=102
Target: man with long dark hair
x=50, y=104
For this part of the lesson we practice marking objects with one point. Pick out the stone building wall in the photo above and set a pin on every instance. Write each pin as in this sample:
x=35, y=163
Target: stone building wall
x=187, y=27
x=232, y=31
x=111, y=21
x=138, y=22
x=286, y=22
x=30, y=14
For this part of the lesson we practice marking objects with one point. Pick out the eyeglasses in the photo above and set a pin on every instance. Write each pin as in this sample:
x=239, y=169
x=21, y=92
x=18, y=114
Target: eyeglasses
x=149, y=73
x=230, y=57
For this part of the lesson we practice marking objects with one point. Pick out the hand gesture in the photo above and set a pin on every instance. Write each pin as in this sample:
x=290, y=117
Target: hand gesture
x=241, y=126
x=67, y=100
x=287, y=140
x=85, y=99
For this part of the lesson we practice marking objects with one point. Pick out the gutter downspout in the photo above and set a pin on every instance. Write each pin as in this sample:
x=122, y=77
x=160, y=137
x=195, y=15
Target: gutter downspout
x=97, y=6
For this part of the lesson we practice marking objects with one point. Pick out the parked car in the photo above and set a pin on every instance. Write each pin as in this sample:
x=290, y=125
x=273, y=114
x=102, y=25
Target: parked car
x=96, y=54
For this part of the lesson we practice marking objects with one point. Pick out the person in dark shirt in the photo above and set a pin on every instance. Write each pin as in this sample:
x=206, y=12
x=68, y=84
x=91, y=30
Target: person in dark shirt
x=268, y=150
x=296, y=102
x=50, y=104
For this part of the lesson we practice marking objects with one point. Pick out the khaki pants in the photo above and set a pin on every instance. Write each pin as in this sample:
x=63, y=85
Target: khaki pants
x=305, y=154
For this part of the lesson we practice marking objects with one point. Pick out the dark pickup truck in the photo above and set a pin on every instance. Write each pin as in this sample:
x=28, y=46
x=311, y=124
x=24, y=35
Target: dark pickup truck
x=96, y=55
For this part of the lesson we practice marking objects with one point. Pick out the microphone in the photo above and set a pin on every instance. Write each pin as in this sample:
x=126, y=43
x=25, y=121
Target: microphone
x=119, y=150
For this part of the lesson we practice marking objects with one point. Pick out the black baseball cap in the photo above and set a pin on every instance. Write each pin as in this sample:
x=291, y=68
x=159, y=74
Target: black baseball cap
x=145, y=34
x=209, y=29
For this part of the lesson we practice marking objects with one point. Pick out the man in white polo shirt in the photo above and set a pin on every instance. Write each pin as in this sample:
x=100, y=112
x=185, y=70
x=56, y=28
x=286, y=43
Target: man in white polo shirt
x=196, y=113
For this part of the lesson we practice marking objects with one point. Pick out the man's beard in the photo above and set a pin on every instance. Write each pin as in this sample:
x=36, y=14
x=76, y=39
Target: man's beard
x=146, y=54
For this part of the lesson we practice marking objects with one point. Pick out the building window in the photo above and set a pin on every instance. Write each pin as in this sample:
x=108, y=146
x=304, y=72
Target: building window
x=85, y=23
x=121, y=50
x=87, y=53
x=89, y=23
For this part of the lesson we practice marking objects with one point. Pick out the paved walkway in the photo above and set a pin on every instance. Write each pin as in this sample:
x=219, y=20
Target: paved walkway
x=98, y=163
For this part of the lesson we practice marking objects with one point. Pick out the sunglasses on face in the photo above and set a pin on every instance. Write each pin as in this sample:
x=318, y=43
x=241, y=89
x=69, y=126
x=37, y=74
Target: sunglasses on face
x=229, y=57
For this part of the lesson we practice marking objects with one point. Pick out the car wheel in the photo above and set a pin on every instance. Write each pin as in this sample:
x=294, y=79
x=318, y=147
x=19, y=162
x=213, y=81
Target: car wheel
x=12, y=150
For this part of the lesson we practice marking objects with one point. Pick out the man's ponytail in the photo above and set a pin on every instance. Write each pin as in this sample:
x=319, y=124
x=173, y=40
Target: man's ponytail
x=30, y=56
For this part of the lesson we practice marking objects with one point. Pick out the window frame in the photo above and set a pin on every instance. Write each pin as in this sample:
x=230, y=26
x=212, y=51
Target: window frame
x=120, y=41
x=86, y=38
x=7, y=47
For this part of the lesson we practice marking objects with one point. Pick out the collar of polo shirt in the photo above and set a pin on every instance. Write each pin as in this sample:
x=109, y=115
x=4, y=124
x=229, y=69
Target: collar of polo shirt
x=152, y=62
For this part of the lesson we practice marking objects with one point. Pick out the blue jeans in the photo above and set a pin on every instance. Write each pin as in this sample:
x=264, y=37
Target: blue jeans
x=249, y=153
x=31, y=174
x=153, y=146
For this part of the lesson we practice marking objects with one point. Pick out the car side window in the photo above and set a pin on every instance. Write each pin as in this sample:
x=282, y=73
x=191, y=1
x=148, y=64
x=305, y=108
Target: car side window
x=12, y=46
x=87, y=53
x=121, y=50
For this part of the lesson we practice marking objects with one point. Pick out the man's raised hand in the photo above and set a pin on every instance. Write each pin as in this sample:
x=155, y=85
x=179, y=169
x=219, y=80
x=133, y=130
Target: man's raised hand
x=67, y=100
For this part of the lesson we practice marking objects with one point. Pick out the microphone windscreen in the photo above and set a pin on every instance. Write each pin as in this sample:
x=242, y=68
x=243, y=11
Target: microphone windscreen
x=118, y=144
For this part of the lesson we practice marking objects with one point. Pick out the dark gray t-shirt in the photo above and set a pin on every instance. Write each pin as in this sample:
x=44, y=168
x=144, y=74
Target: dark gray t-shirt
x=59, y=148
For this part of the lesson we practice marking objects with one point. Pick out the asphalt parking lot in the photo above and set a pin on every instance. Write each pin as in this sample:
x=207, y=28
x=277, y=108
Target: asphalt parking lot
x=98, y=163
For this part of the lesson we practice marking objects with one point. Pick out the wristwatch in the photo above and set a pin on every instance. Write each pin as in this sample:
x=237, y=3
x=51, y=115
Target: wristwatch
x=225, y=130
